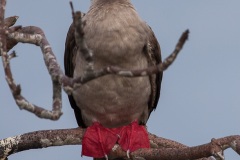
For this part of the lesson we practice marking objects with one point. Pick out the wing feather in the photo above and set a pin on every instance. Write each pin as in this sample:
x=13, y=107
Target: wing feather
x=69, y=65
x=154, y=58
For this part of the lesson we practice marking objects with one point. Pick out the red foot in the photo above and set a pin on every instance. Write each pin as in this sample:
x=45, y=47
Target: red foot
x=98, y=140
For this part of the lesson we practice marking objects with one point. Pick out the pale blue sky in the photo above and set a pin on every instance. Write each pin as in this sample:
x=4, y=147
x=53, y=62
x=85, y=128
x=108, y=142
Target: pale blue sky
x=200, y=97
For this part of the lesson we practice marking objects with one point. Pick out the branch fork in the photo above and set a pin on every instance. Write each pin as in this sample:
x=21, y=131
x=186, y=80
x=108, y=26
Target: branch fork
x=34, y=35
x=161, y=149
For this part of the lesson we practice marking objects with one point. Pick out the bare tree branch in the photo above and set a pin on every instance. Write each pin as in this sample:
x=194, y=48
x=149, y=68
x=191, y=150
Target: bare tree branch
x=8, y=22
x=164, y=149
x=87, y=54
x=39, y=139
x=135, y=73
x=3, y=50
x=24, y=35
x=34, y=35
x=161, y=148
x=79, y=38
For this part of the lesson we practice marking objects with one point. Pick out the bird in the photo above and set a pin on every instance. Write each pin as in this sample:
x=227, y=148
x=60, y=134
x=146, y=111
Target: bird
x=114, y=109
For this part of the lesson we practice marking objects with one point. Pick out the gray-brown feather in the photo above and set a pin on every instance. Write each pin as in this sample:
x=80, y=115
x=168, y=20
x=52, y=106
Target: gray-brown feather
x=117, y=36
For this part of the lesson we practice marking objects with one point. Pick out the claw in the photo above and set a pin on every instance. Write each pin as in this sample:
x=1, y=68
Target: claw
x=128, y=154
x=130, y=142
x=101, y=142
x=106, y=157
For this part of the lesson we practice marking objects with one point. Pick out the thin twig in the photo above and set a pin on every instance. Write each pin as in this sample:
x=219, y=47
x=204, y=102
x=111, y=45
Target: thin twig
x=136, y=73
x=3, y=50
x=79, y=38
x=10, y=21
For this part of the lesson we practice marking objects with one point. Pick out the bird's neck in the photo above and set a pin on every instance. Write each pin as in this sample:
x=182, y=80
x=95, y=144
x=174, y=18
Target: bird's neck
x=106, y=7
x=98, y=3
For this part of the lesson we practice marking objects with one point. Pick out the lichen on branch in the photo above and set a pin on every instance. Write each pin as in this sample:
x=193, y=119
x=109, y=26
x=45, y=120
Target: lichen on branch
x=161, y=148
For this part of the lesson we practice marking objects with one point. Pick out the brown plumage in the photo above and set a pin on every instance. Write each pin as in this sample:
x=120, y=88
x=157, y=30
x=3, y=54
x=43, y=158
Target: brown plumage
x=117, y=36
x=114, y=108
